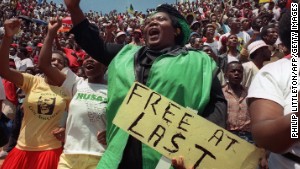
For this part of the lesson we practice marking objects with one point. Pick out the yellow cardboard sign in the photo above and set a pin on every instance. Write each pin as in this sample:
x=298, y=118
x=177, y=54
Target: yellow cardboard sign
x=176, y=131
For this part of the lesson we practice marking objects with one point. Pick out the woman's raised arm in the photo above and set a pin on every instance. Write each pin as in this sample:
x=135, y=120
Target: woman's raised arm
x=45, y=58
x=11, y=28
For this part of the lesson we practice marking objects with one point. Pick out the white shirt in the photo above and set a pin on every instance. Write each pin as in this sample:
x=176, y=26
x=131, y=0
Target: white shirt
x=243, y=38
x=276, y=11
x=17, y=61
x=273, y=82
x=231, y=58
x=25, y=63
x=86, y=115
x=250, y=70
x=214, y=46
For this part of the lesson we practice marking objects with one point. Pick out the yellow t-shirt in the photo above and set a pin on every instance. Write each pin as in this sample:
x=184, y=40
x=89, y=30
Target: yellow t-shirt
x=43, y=108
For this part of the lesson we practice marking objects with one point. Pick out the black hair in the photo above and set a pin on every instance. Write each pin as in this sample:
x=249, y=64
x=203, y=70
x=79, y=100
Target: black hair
x=231, y=63
x=180, y=37
x=66, y=60
x=253, y=23
x=285, y=30
x=205, y=28
x=170, y=10
x=192, y=40
x=203, y=46
x=174, y=16
x=269, y=16
x=194, y=26
x=264, y=30
x=24, y=51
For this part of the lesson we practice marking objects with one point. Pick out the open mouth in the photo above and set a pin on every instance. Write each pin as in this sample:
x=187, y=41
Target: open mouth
x=154, y=32
x=234, y=42
x=53, y=65
x=89, y=66
x=237, y=78
x=275, y=38
x=210, y=33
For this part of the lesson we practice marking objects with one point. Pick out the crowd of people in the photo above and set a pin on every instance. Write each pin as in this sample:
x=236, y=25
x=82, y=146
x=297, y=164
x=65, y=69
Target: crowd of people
x=65, y=74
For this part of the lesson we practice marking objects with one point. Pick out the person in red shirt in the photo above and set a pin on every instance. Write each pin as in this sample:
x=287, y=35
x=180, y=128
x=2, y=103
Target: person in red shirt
x=9, y=105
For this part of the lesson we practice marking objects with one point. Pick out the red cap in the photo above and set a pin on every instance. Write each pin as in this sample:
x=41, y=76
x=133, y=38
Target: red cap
x=39, y=45
x=14, y=45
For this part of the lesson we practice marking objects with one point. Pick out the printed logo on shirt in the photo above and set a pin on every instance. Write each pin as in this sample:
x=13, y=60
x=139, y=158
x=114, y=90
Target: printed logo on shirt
x=45, y=106
x=85, y=96
x=95, y=104
x=241, y=44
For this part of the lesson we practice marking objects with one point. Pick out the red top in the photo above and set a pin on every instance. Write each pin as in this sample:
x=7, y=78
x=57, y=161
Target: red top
x=10, y=91
x=72, y=59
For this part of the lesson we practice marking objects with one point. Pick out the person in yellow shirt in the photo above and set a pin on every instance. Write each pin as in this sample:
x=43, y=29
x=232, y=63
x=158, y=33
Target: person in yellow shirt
x=44, y=105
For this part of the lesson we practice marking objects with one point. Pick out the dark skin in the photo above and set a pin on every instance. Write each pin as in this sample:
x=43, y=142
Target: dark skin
x=121, y=39
x=270, y=125
x=12, y=51
x=198, y=42
x=210, y=31
x=234, y=75
x=94, y=70
x=271, y=37
x=159, y=34
x=11, y=27
x=246, y=25
x=137, y=37
x=257, y=24
x=208, y=50
x=262, y=54
x=235, y=25
x=232, y=44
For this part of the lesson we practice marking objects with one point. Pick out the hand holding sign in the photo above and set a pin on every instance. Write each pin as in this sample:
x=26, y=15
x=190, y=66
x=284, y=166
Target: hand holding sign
x=176, y=131
x=179, y=163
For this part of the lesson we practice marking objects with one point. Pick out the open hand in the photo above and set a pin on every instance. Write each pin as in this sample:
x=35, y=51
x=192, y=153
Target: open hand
x=59, y=133
x=178, y=163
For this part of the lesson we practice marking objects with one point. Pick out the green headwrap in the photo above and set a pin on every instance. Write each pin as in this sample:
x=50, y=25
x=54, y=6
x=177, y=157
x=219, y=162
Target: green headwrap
x=185, y=28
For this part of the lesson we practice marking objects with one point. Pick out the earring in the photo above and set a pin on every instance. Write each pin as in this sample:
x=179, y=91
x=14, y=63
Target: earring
x=178, y=31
